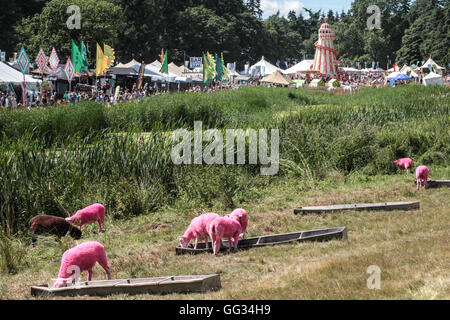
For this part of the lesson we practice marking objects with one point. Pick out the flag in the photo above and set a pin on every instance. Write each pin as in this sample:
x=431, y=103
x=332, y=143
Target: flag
x=164, y=62
x=286, y=64
x=209, y=67
x=219, y=68
x=278, y=63
x=225, y=69
x=76, y=58
x=109, y=53
x=84, y=59
x=102, y=61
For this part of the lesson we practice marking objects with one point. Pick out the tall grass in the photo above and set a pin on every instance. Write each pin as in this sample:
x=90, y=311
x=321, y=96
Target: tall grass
x=57, y=160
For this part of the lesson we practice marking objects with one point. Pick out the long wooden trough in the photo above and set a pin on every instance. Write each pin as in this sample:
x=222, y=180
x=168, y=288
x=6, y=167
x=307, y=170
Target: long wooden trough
x=270, y=240
x=160, y=285
x=436, y=183
x=386, y=206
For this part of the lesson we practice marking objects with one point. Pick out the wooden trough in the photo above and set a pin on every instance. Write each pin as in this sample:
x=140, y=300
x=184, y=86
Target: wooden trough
x=436, y=183
x=161, y=285
x=386, y=206
x=270, y=240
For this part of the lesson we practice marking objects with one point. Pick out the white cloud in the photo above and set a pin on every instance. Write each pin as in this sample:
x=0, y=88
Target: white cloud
x=270, y=7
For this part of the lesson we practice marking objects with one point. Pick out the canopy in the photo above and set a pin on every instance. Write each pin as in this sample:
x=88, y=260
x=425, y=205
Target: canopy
x=400, y=76
x=302, y=66
x=432, y=63
x=299, y=83
x=393, y=75
x=10, y=75
x=276, y=78
x=433, y=79
x=334, y=83
x=350, y=70
x=317, y=83
x=266, y=67
x=130, y=64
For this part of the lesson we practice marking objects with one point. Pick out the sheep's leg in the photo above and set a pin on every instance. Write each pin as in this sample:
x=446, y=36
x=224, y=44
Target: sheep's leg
x=196, y=242
x=90, y=274
x=206, y=241
x=418, y=183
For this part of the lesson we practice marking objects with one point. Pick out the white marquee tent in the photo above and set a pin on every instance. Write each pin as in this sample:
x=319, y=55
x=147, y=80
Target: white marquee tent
x=302, y=66
x=266, y=66
x=10, y=75
x=433, y=79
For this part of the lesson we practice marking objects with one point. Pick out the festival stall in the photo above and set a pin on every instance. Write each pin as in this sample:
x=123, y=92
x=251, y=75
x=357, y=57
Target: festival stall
x=276, y=78
x=433, y=79
x=263, y=68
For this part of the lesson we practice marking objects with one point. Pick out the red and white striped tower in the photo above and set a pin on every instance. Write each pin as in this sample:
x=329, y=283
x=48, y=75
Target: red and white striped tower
x=325, y=59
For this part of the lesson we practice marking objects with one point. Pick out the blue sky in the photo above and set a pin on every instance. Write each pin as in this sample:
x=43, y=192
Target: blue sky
x=270, y=7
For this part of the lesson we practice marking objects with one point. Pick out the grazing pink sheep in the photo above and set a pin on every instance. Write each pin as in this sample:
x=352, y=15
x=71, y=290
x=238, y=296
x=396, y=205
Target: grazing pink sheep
x=406, y=163
x=422, y=174
x=90, y=214
x=242, y=216
x=199, y=227
x=84, y=257
x=224, y=228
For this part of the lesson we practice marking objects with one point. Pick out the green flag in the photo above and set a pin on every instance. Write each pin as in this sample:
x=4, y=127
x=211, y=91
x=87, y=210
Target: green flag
x=219, y=67
x=76, y=58
x=164, y=63
x=209, y=67
x=84, y=59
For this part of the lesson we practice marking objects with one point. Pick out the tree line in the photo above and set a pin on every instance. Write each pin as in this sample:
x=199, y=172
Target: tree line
x=411, y=30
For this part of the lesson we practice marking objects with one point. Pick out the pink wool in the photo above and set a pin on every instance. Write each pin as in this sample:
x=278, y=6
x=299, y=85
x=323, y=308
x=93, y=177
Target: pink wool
x=90, y=214
x=241, y=216
x=406, y=163
x=224, y=228
x=84, y=257
x=198, y=228
x=422, y=174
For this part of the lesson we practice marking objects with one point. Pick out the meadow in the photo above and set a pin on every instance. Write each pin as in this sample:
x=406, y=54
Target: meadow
x=333, y=149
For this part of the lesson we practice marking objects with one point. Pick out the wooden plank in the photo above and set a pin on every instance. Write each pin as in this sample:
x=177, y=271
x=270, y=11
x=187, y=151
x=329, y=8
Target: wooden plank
x=386, y=206
x=161, y=285
x=270, y=240
x=436, y=183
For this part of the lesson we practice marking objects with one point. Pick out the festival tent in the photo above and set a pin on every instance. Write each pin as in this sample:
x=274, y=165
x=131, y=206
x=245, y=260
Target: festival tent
x=433, y=64
x=8, y=74
x=299, y=83
x=276, y=78
x=302, y=66
x=317, y=83
x=334, y=83
x=400, y=76
x=155, y=67
x=392, y=75
x=265, y=66
x=350, y=70
x=433, y=79
x=130, y=64
x=408, y=71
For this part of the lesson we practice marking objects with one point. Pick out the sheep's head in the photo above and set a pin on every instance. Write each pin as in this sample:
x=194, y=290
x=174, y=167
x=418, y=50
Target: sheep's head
x=183, y=242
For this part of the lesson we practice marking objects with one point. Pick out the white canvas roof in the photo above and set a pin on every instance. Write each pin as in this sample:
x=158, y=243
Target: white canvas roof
x=406, y=69
x=433, y=64
x=433, y=79
x=268, y=67
x=10, y=75
x=351, y=70
x=128, y=65
x=302, y=66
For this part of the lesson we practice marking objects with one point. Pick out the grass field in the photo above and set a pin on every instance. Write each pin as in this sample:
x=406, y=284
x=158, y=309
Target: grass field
x=410, y=247
x=333, y=149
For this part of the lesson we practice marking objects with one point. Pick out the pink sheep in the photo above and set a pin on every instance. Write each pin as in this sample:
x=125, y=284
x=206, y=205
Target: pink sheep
x=422, y=174
x=242, y=216
x=224, y=228
x=406, y=163
x=90, y=214
x=81, y=258
x=199, y=227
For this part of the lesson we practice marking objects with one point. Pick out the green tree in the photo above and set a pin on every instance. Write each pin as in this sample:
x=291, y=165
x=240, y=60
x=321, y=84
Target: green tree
x=100, y=22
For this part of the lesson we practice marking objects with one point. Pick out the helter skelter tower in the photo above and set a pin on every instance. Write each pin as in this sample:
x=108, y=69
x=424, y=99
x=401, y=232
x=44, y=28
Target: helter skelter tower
x=325, y=60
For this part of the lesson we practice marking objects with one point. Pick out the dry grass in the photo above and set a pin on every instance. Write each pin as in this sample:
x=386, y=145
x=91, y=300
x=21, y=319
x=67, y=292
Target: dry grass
x=410, y=247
